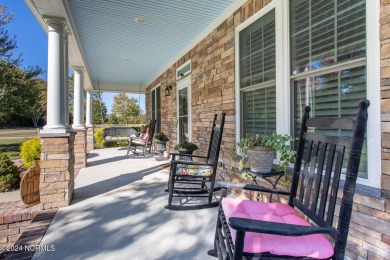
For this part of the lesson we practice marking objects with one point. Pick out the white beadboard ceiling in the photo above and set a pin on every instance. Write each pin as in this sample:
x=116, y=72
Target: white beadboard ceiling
x=119, y=53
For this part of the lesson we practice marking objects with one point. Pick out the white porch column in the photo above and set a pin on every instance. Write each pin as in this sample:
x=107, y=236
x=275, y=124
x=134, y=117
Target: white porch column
x=88, y=121
x=66, y=79
x=78, y=105
x=55, y=77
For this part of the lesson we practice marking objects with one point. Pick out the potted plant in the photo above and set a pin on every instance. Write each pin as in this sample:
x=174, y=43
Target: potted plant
x=161, y=140
x=185, y=147
x=260, y=151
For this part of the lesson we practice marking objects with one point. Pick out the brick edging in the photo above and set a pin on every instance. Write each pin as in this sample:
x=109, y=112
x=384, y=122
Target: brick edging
x=27, y=244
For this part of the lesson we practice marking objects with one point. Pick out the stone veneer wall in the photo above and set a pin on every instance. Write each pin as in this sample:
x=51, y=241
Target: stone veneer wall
x=212, y=80
x=57, y=170
x=80, y=148
x=90, y=143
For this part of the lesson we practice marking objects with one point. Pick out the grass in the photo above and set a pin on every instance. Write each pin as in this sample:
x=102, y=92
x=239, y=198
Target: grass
x=10, y=142
x=11, y=147
x=17, y=128
x=19, y=134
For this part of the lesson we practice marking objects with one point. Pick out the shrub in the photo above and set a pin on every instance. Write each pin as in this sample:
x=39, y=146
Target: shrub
x=99, y=138
x=161, y=137
x=9, y=174
x=186, y=145
x=30, y=152
x=101, y=143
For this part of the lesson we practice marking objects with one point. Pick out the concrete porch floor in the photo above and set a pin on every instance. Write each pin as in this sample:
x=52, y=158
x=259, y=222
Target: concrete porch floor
x=118, y=213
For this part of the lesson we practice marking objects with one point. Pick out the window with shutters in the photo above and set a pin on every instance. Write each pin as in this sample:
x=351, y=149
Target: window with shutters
x=310, y=52
x=328, y=60
x=257, y=76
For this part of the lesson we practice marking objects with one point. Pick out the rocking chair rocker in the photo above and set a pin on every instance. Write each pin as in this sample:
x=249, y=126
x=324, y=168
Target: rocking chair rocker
x=193, y=179
x=259, y=230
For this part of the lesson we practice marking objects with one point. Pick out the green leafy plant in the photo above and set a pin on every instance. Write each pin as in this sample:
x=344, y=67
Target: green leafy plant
x=30, y=152
x=99, y=138
x=9, y=174
x=278, y=142
x=161, y=137
x=186, y=145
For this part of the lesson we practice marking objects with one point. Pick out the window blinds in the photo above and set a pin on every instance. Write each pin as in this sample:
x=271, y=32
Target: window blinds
x=326, y=32
x=257, y=73
x=257, y=51
x=329, y=33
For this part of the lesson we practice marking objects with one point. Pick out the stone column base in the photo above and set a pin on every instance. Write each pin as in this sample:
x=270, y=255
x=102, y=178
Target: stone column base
x=90, y=141
x=80, y=155
x=57, y=170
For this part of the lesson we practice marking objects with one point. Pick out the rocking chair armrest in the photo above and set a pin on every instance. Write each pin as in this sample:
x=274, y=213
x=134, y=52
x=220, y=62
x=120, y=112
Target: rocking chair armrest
x=188, y=155
x=191, y=163
x=274, y=228
x=243, y=186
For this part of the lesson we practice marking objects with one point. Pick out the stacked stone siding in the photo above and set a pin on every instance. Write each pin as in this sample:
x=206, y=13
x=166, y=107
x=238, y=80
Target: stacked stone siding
x=213, y=91
x=57, y=170
x=90, y=144
x=80, y=147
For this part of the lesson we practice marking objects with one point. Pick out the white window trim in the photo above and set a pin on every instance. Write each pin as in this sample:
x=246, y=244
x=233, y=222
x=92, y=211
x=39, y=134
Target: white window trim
x=283, y=81
x=155, y=101
x=180, y=85
x=374, y=146
x=282, y=65
x=182, y=66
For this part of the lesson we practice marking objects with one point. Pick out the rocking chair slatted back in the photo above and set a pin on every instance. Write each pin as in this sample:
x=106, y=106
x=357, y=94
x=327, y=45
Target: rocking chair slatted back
x=152, y=128
x=215, y=140
x=314, y=188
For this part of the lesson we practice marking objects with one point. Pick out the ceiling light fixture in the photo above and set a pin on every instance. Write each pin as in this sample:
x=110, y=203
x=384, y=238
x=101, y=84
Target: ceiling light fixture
x=141, y=20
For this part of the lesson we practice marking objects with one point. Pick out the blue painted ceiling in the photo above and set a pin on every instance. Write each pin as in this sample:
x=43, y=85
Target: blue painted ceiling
x=120, y=51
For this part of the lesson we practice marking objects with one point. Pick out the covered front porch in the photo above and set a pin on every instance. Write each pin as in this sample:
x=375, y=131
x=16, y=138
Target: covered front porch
x=118, y=211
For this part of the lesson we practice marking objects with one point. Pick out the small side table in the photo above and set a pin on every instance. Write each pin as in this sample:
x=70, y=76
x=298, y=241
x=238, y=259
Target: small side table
x=267, y=177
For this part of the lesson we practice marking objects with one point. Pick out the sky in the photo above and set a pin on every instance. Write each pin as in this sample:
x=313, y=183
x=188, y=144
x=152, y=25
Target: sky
x=32, y=43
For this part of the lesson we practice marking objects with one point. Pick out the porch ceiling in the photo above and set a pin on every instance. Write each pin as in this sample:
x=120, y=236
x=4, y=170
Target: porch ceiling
x=120, y=54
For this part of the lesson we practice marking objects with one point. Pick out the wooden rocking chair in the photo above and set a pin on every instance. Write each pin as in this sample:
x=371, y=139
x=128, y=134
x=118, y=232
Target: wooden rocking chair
x=193, y=179
x=145, y=142
x=259, y=230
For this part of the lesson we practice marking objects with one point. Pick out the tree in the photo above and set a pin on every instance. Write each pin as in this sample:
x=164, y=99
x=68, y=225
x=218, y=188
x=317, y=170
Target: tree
x=16, y=90
x=36, y=99
x=112, y=119
x=7, y=43
x=99, y=111
x=125, y=108
x=21, y=92
x=99, y=108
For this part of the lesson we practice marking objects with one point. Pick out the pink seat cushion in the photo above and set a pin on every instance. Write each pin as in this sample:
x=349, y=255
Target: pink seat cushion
x=315, y=246
x=145, y=137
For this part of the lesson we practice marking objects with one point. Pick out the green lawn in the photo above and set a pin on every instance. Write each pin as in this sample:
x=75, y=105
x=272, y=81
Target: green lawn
x=11, y=147
x=17, y=128
x=10, y=142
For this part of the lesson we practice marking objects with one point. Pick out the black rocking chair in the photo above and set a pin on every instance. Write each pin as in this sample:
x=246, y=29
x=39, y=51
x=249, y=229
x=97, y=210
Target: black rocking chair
x=259, y=230
x=196, y=179
x=145, y=143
